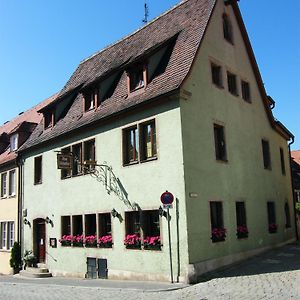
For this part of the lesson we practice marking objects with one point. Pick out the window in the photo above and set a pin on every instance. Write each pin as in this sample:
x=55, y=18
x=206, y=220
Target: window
x=131, y=145
x=81, y=153
x=227, y=29
x=7, y=235
x=245, y=91
x=148, y=140
x=48, y=119
x=282, y=161
x=271, y=217
x=89, y=154
x=266, y=154
x=216, y=219
x=3, y=235
x=11, y=234
x=14, y=142
x=90, y=225
x=66, y=225
x=142, y=230
x=3, y=184
x=65, y=173
x=77, y=161
x=139, y=143
x=220, y=145
x=216, y=73
x=77, y=225
x=91, y=99
x=232, y=86
x=137, y=78
x=105, y=233
x=287, y=215
x=241, y=222
x=12, y=183
x=38, y=170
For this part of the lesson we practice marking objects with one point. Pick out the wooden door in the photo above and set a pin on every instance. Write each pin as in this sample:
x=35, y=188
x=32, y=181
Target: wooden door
x=41, y=241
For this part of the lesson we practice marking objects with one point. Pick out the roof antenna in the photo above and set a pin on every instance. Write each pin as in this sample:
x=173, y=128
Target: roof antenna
x=145, y=20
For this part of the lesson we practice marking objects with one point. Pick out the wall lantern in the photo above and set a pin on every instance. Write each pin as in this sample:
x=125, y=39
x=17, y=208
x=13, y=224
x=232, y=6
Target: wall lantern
x=114, y=213
x=49, y=221
x=26, y=222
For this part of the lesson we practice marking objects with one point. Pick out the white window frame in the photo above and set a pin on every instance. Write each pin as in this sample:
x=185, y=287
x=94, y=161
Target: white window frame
x=4, y=185
x=14, y=142
x=12, y=183
x=7, y=235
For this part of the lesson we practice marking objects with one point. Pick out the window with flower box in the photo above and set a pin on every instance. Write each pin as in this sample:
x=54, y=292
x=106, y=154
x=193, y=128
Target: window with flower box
x=142, y=230
x=218, y=232
x=105, y=234
x=90, y=237
x=241, y=222
x=272, y=226
x=77, y=230
x=66, y=237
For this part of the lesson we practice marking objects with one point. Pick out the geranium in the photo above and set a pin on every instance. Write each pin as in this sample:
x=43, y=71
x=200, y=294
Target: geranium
x=91, y=240
x=273, y=227
x=242, y=229
x=105, y=241
x=78, y=240
x=218, y=233
x=152, y=240
x=132, y=240
x=66, y=240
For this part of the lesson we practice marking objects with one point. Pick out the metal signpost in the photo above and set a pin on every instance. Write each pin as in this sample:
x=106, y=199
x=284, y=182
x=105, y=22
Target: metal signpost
x=167, y=199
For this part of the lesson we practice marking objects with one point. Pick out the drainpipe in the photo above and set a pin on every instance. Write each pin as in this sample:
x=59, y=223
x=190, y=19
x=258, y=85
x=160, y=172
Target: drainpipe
x=293, y=188
x=20, y=164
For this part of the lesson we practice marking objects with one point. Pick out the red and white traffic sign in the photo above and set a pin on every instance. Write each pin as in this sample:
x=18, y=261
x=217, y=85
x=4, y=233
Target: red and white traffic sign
x=167, y=199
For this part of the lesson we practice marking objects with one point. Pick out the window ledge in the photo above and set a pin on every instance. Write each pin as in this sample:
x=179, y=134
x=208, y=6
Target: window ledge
x=222, y=161
x=12, y=196
x=149, y=159
x=130, y=164
x=5, y=250
x=38, y=183
x=4, y=197
x=221, y=87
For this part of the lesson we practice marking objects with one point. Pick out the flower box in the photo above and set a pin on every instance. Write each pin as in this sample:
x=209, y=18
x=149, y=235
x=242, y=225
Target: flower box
x=242, y=232
x=132, y=241
x=66, y=240
x=152, y=243
x=90, y=241
x=218, y=235
x=105, y=241
x=273, y=228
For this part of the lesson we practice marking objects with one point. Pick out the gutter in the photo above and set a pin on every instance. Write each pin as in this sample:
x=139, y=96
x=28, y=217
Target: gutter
x=293, y=188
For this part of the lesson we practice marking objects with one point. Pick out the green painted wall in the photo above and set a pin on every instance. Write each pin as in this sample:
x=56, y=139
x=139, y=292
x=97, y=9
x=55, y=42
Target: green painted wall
x=243, y=177
x=144, y=184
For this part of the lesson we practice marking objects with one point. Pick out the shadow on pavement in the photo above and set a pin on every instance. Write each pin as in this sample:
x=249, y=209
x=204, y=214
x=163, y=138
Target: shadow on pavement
x=286, y=258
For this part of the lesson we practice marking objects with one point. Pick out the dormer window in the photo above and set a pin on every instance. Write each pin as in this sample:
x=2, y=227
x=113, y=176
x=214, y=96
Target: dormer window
x=14, y=142
x=227, y=29
x=91, y=100
x=48, y=119
x=137, y=78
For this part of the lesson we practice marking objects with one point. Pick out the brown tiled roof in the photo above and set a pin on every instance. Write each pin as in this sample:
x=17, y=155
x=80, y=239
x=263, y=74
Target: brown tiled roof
x=186, y=22
x=25, y=119
x=296, y=156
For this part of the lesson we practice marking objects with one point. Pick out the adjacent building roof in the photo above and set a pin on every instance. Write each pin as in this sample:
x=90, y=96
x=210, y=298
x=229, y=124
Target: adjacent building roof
x=296, y=156
x=24, y=121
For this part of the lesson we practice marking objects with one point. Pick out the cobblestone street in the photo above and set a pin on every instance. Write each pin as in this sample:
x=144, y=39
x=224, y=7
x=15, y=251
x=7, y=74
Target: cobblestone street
x=272, y=275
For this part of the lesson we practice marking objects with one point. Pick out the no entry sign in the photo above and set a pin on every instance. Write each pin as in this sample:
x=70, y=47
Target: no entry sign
x=167, y=198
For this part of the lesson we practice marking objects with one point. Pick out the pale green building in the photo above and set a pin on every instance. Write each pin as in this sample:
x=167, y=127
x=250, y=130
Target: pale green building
x=179, y=105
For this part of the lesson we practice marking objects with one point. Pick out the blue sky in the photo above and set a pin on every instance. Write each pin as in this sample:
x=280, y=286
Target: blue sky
x=42, y=42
